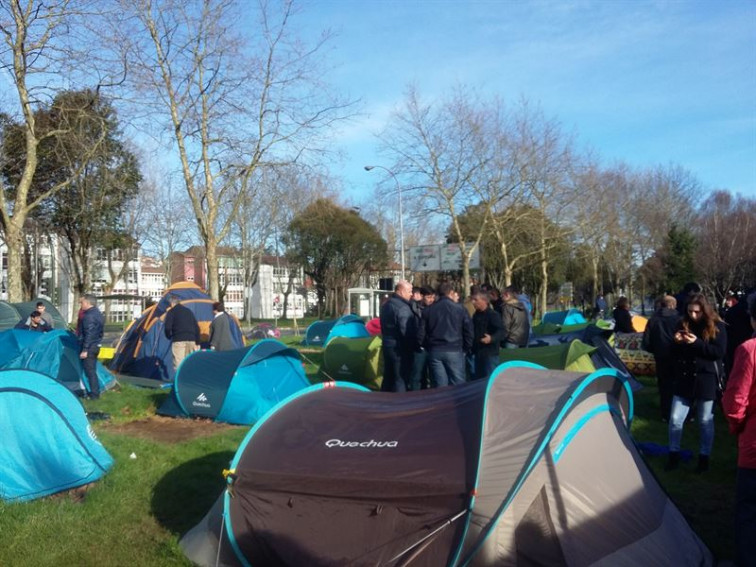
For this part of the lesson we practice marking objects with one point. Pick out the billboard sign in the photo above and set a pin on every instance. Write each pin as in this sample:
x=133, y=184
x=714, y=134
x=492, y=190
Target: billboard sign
x=425, y=258
x=451, y=257
x=440, y=257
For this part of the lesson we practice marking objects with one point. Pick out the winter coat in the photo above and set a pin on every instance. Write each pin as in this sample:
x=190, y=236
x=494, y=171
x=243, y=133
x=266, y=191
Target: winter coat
x=398, y=327
x=446, y=327
x=623, y=321
x=658, y=338
x=515, y=319
x=181, y=325
x=739, y=402
x=91, y=326
x=220, y=332
x=487, y=322
x=697, y=365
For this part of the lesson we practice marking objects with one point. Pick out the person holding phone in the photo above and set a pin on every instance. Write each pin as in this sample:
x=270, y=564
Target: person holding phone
x=699, y=347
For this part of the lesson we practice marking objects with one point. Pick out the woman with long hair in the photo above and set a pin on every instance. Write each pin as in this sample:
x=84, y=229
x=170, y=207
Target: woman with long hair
x=699, y=347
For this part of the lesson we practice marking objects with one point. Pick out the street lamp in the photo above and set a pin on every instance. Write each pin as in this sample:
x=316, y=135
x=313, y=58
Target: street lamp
x=401, y=215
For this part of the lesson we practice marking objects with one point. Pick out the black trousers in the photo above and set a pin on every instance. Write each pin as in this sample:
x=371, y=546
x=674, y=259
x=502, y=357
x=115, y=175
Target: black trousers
x=90, y=371
x=397, y=369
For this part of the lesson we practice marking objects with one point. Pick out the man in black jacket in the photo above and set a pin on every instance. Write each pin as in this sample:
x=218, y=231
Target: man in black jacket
x=446, y=333
x=90, y=330
x=488, y=331
x=658, y=339
x=398, y=330
x=182, y=330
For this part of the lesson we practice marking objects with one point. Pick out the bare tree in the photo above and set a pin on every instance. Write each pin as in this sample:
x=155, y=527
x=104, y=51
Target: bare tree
x=545, y=161
x=726, y=230
x=164, y=227
x=232, y=106
x=445, y=150
x=41, y=42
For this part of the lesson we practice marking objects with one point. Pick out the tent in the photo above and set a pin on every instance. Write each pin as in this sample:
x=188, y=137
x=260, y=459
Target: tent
x=568, y=317
x=532, y=467
x=320, y=332
x=48, y=445
x=604, y=355
x=350, y=326
x=553, y=328
x=144, y=350
x=639, y=323
x=235, y=386
x=264, y=331
x=55, y=353
x=356, y=360
x=573, y=355
x=317, y=332
x=12, y=313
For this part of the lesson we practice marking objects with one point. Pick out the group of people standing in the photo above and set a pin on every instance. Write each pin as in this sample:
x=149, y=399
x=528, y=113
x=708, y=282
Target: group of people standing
x=696, y=365
x=432, y=340
x=182, y=329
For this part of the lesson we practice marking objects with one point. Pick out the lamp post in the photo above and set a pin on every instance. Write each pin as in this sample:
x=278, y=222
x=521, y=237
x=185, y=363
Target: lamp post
x=401, y=215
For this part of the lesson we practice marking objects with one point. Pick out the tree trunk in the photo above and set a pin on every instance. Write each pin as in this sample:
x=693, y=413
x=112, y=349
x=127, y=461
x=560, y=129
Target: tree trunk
x=14, y=240
x=211, y=255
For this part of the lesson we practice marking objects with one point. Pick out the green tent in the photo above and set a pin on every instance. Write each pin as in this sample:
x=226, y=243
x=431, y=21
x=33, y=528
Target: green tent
x=357, y=360
x=574, y=356
x=554, y=328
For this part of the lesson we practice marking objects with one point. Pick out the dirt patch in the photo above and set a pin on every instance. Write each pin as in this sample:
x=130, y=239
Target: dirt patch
x=168, y=429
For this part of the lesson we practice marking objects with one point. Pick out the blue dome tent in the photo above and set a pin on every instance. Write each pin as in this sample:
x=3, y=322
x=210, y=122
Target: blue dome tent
x=48, y=445
x=569, y=317
x=145, y=351
x=349, y=326
x=55, y=353
x=235, y=386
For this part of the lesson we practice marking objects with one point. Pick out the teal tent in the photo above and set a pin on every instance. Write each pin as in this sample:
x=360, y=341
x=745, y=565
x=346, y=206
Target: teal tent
x=568, y=317
x=12, y=313
x=48, y=445
x=235, y=386
x=317, y=333
x=55, y=354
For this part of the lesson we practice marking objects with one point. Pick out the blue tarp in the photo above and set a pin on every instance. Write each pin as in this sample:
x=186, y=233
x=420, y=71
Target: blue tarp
x=48, y=445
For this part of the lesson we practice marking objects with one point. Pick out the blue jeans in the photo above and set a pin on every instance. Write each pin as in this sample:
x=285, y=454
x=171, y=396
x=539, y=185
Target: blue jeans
x=510, y=345
x=418, y=370
x=484, y=365
x=446, y=368
x=745, y=517
x=680, y=409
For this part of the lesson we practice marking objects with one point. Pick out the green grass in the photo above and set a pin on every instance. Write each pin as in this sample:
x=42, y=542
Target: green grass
x=137, y=513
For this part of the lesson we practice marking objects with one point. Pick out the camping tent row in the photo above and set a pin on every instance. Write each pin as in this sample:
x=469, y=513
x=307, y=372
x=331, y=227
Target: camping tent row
x=55, y=353
x=359, y=360
x=236, y=386
x=12, y=313
x=320, y=333
x=532, y=467
x=143, y=350
x=48, y=445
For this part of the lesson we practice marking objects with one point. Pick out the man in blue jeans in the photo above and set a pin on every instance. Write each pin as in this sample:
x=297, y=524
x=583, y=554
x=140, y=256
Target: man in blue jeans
x=488, y=331
x=90, y=331
x=446, y=333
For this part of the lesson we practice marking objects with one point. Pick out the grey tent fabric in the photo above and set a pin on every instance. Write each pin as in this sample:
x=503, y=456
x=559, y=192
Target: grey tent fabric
x=530, y=467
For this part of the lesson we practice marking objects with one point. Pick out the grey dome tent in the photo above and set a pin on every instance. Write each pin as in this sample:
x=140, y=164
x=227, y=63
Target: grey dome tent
x=531, y=467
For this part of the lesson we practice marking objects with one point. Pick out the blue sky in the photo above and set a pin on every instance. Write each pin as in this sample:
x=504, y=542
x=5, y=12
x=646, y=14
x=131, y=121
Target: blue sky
x=643, y=82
